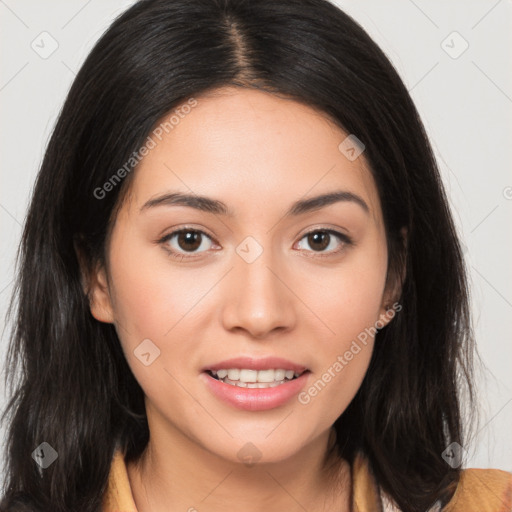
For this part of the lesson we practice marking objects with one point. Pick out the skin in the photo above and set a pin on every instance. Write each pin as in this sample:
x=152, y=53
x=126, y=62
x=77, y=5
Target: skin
x=257, y=153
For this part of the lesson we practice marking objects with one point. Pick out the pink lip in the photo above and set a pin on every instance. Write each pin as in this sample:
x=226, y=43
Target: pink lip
x=266, y=363
x=255, y=399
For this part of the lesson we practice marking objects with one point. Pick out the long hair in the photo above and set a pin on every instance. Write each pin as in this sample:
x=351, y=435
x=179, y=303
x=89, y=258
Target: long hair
x=70, y=384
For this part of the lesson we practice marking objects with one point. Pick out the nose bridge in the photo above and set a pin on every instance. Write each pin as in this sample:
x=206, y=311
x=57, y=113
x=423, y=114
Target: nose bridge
x=258, y=300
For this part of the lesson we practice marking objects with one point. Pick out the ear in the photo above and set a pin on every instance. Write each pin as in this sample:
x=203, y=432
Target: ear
x=396, y=276
x=95, y=286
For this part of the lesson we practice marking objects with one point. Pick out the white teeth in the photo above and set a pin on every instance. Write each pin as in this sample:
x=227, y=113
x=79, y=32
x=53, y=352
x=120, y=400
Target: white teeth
x=245, y=375
x=252, y=385
x=279, y=374
x=254, y=378
x=266, y=376
x=234, y=374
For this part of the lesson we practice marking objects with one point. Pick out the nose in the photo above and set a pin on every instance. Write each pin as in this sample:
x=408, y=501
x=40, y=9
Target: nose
x=258, y=298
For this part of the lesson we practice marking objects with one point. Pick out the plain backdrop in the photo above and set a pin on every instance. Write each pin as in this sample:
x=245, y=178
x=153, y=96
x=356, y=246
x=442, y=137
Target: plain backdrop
x=455, y=59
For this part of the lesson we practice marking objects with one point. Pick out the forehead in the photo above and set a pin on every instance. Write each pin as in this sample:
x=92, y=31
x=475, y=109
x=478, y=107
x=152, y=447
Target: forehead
x=247, y=146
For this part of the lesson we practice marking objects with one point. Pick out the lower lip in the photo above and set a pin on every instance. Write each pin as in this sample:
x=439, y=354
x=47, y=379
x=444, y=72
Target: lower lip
x=255, y=399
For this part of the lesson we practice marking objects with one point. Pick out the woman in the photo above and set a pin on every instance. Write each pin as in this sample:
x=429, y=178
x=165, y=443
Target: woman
x=309, y=348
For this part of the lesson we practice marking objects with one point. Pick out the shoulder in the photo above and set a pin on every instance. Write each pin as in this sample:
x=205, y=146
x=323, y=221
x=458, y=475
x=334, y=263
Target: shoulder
x=482, y=490
x=118, y=495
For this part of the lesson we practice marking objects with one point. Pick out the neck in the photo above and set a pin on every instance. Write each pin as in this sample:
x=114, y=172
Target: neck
x=179, y=474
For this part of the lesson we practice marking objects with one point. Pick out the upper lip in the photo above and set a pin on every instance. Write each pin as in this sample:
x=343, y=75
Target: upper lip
x=251, y=363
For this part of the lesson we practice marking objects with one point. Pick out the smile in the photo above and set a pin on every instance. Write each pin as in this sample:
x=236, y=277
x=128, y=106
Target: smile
x=247, y=378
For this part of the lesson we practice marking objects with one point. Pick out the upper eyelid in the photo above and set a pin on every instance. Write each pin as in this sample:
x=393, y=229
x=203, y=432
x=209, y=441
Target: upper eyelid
x=168, y=236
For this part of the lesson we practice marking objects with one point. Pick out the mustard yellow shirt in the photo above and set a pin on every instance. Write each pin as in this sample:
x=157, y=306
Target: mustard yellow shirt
x=479, y=490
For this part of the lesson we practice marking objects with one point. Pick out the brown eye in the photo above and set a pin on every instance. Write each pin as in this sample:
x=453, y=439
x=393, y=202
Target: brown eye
x=321, y=239
x=183, y=241
x=189, y=240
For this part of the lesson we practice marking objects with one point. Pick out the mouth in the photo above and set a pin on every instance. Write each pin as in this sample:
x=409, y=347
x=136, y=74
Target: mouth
x=250, y=378
x=255, y=384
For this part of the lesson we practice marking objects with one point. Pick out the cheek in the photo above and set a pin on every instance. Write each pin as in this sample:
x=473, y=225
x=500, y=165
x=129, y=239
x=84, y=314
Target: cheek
x=348, y=301
x=151, y=307
x=151, y=294
x=149, y=303
x=156, y=300
x=347, y=298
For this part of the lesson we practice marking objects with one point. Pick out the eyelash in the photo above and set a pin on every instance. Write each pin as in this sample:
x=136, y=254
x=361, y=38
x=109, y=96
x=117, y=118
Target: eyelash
x=344, y=239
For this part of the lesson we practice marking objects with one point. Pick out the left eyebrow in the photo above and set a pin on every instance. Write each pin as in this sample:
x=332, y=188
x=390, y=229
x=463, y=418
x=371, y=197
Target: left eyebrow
x=210, y=205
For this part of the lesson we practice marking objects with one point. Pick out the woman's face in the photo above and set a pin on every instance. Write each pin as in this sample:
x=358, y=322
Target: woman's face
x=250, y=282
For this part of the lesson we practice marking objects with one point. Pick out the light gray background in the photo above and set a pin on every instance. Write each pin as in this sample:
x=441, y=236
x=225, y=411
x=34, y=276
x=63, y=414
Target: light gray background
x=465, y=101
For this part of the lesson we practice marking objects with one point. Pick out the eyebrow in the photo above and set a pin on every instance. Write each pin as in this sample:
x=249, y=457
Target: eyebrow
x=210, y=205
